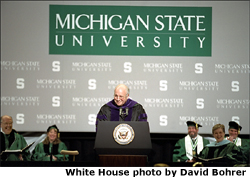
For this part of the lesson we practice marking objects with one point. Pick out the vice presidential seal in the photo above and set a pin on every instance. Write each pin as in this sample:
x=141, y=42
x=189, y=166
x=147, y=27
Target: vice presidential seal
x=123, y=134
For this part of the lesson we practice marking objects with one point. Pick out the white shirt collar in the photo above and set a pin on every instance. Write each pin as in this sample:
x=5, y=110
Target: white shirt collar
x=2, y=131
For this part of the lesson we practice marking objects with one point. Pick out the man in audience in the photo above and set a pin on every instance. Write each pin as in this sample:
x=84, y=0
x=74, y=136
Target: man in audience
x=191, y=145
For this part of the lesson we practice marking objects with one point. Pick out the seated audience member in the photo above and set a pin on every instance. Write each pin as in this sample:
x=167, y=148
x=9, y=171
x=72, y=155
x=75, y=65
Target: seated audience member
x=222, y=148
x=244, y=144
x=11, y=140
x=191, y=145
x=50, y=148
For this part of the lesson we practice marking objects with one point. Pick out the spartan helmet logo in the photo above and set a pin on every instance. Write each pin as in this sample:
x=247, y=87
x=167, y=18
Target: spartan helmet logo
x=123, y=134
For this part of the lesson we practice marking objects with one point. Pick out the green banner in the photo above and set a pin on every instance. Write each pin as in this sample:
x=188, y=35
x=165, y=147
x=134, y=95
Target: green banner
x=130, y=30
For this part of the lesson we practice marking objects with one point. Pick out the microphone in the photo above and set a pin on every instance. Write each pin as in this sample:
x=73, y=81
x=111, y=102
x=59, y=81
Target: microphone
x=123, y=114
x=120, y=113
x=126, y=111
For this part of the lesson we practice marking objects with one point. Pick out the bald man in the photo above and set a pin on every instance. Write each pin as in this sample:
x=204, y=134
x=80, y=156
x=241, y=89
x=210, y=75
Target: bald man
x=11, y=140
x=121, y=108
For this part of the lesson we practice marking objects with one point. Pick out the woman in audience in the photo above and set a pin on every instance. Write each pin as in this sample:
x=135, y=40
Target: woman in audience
x=50, y=148
x=222, y=149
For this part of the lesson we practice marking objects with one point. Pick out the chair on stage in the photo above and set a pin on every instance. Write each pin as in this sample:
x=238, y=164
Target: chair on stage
x=68, y=152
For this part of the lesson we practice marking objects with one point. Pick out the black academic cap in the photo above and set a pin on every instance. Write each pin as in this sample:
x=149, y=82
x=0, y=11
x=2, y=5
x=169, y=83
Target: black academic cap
x=192, y=123
x=53, y=126
x=234, y=125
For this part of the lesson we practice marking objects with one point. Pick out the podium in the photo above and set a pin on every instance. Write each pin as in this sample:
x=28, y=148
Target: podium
x=125, y=143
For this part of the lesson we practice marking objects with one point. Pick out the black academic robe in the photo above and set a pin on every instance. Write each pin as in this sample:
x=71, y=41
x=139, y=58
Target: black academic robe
x=130, y=111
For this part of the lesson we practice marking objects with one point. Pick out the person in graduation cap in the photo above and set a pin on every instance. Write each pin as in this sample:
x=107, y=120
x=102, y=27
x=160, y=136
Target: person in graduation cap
x=50, y=148
x=191, y=145
x=11, y=140
x=222, y=148
x=244, y=144
x=121, y=108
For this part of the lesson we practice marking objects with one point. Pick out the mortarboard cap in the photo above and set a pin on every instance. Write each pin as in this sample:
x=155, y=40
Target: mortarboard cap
x=234, y=125
x=192, y=123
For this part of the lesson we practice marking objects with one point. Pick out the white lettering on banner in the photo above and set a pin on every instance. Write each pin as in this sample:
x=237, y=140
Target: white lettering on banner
x=92, y=84
x=20, y=65
x=200, y=103
x=179, y=22
x=20, y=83
x=199, y=85
x=71, y=21
x=66, y=122
x=198, y=68
x=20, y=118
x=56, y=66
x=199, y=118
x=92, y=119
x=62, y=40
x=163, y=67
x=235, y=86
x=164, y=102
x=56, y=81
x=232, y=68
x=20, y=101
x=91, y=66
x=163, y=85
x=56, y=101
x=127, y=67
x=163, y=120
x=56, y=84
x=89, y=101
x=107, y=40
x=233, y=103
x=56, y=116
x=132, y=84
x=56, y=119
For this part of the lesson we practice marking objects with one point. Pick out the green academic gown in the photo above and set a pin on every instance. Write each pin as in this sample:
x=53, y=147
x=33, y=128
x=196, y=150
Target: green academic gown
x=42, y=152
x=226, y=149
x=245, y=148
x=15, y=141
x=180, y=153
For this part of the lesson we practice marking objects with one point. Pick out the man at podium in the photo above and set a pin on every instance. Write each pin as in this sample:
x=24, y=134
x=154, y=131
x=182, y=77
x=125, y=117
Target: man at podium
x=11, y=140
x=121, y=108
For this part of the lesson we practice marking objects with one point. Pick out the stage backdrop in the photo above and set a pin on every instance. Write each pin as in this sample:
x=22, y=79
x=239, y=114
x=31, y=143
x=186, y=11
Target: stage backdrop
x=60, y=62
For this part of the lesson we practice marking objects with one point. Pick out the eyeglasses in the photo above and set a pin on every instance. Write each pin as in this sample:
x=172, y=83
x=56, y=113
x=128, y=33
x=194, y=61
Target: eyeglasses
x=116, y=96
x=7, y=123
